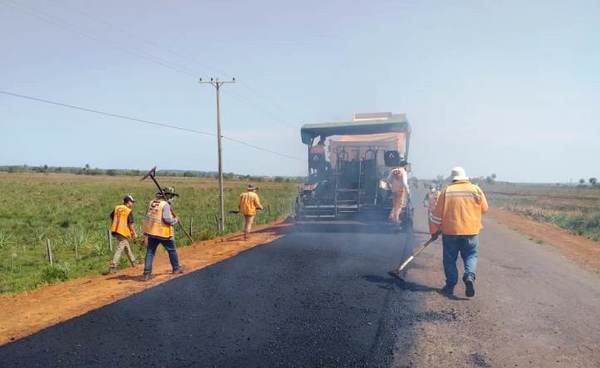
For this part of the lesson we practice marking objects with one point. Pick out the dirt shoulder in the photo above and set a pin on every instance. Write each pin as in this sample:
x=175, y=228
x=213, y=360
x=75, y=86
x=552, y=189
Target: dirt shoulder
x=582, y=250
x=26, y=313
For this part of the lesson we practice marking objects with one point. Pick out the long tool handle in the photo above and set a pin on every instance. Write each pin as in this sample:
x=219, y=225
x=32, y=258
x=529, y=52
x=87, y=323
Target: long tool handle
x=416, y=253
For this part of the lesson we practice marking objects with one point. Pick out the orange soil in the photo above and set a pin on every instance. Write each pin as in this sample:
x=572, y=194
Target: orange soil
x=577, y=248
x=26, y=313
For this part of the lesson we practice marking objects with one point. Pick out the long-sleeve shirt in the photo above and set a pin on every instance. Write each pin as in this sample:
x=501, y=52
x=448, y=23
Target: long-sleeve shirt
x=249, y=202
x=167, y=215
x=398, y=182
x=459, y=209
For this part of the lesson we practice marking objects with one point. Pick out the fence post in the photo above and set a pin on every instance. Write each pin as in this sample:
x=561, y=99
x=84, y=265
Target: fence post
x=76, y=250
x=191, y=226
x=108, y=235
x=49, y=252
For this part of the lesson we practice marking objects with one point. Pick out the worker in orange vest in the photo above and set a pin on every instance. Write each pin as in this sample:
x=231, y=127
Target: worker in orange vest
x=429, y=202
x=457, y=216
x=123, y=230
x=158, y=228
x=249, y=203
x=398, y=182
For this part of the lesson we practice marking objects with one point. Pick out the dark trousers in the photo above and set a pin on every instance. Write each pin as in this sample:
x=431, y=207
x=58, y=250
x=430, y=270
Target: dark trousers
x=169, y=245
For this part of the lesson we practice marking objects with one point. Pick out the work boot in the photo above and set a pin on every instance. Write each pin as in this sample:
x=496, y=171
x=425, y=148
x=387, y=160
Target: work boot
x=179, y=270
x=447, y=290
x=112, y=269
x=469, y=281
x=148, y=276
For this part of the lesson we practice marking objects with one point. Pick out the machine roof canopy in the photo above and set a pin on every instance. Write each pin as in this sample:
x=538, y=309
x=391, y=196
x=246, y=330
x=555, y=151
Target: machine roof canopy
x=392, y=123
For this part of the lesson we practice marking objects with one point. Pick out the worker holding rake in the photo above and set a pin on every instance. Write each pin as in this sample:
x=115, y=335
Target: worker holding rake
x=123, y=230
x=457, y=216
x=158, y=227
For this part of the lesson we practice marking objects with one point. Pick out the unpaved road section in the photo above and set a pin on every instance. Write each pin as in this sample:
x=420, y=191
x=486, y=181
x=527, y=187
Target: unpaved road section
x=314, y=299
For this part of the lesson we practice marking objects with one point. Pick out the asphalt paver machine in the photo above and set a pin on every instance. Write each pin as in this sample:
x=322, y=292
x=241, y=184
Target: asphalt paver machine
x=348, y=165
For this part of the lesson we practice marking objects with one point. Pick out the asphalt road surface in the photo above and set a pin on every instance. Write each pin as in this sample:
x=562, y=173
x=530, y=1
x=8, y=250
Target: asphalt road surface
x=324, y=299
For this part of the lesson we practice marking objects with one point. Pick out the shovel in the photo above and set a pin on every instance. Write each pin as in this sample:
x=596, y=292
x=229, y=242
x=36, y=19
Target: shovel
x=396, y=273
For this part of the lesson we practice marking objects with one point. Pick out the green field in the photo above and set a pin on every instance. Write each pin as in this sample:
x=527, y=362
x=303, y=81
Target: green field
x=72, y=212
x=573, y=208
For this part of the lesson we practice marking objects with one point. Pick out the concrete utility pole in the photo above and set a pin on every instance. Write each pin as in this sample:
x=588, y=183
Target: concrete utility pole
x=215, y=82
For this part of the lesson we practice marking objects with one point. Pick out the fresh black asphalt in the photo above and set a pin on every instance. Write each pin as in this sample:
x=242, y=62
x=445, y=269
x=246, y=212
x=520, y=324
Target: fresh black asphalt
x=309, y=299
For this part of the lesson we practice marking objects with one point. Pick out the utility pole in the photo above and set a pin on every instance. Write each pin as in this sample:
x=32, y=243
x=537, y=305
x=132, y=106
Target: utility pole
x=215, y=82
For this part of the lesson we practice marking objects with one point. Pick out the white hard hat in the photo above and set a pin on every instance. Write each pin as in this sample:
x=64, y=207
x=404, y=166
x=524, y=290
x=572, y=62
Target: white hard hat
x=458, y=173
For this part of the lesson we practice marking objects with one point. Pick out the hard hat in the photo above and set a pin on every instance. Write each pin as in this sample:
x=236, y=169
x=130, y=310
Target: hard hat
x=168, y=191
x=128, y=198
x=458, y=173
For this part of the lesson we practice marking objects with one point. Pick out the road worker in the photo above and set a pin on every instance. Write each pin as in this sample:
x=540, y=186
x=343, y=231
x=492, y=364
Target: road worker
x=122, y=230
x=457, y=216
x=158, y=228
x=398, y=182
x=429, y=202
x=318, y=164
x=249, y=203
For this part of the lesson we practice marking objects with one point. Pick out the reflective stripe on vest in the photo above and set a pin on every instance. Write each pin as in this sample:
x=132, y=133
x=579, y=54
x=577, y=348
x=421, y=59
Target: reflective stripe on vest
x=120, y=224
x=153, y=224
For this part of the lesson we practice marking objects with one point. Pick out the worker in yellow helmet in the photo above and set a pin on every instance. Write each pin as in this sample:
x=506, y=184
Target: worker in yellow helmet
x=158, y=227
x=123, y=230
x=249, y=203
x=457, y=217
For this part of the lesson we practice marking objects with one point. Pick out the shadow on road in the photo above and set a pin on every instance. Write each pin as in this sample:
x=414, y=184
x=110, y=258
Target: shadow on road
x=389, y=282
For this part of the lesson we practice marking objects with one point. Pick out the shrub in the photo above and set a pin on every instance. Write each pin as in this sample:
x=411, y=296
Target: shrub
x=55, y=273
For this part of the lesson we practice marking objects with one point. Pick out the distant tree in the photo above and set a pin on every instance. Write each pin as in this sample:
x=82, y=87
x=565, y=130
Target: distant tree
x=593, y=181
x=278, y=179
x=188, y=174
x=111, y=172
x=581, y=181
x=493, y=176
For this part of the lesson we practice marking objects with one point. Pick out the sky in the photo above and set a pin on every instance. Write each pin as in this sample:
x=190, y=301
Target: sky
x=504, y=87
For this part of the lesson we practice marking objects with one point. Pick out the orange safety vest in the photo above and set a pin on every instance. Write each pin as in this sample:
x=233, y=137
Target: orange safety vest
x=432, y=197
x=458, y=210
x=119, y=222
x=249, y=202
x=153, y=222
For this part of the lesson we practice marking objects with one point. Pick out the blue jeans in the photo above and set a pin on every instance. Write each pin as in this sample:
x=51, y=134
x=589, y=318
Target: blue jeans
x=466, y=245
x=153, y=243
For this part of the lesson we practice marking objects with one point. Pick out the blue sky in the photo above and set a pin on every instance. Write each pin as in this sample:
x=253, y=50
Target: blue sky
x=505, y=87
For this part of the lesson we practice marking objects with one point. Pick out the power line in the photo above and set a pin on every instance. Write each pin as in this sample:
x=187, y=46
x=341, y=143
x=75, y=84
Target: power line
x=57, y=22
x=143, y=121
x=44, y=16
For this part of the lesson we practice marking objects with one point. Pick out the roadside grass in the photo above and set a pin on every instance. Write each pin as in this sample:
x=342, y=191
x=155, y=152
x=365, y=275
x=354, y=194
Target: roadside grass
x=72, y=212
x=576, y=209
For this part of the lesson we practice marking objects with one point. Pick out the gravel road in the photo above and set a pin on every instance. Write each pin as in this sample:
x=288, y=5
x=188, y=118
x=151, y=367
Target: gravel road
x=314, y=299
